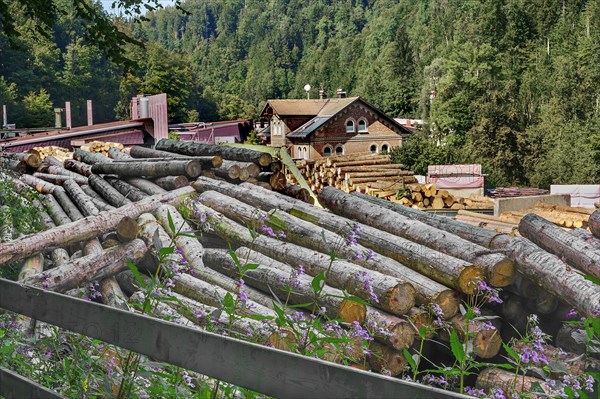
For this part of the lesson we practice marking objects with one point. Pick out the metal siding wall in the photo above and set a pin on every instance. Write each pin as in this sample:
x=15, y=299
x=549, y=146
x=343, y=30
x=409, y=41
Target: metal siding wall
x=157, y=107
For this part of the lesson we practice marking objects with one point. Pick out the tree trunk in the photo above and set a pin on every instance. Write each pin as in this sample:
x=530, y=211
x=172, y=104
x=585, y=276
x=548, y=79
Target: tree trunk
x=172, y=182
x=393, y=295
x=552, y=274
x=207, y=162
x=80, y=198
x=89, y=268
x=491, y=378
x=149, y=169
x=297, y=192
x=575, y=251
x=278, y=181
x=85, y=229
x=13, y=164
x=60, y=170
x=377, y=161
x=248, y=169
x=96, y=199
x=117, y=155
x=127, y=190
x=594, y=223
x=90, y=157
x=78, y=167
x=486, y=340
x=537, y=296
x=127, y=229
x=384, y=219
x=390, y=330
x=40, y=185
x=341, y=171
x=112, y=295
x=565, y=340
x=430, y=292
x=229, y=172
x=146, y=186
x=60, y=179
x=276, y=166
x=386, y=359
x=55, y=211
x=308, y=235
x=586, y=236
x=199, y=149
x=65, y=202
x=276, y=277
x=108, y=192
x=32, y=160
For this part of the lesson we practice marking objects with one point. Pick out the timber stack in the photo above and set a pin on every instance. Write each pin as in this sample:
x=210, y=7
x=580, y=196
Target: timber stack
x=101, y=147
x=402, y=263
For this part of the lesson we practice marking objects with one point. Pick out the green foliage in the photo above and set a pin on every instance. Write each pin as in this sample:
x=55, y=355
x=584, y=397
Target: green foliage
x=38, y=109
x=253, y=138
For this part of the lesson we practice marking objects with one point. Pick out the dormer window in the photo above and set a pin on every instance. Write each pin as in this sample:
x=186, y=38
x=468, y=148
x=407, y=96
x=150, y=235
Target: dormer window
x=327, y=150
x=350, y=128
x=362, y=126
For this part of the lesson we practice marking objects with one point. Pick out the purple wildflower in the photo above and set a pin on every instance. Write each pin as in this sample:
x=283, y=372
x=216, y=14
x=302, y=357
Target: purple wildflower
x=354, y=235
x=187, y=380
x=243, y=296
x=572, y=313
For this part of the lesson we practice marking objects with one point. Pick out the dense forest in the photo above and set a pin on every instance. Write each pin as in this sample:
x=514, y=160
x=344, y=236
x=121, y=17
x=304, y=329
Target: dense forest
x=511, y=84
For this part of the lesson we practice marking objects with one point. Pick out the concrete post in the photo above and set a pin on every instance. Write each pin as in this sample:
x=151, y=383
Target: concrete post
x=68, y=114
x=90, y=118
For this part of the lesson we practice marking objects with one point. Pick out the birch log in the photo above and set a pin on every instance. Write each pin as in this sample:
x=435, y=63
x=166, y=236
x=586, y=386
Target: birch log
x=90, y=157
x=207, y=162
x=65, y=202
x=60, y=179
x=78, y=167
x=81, y=199
x=108, y=192
x=146, y=186
x=85, y=229
x=96, y=199
x=127, y=190
x=40, y=185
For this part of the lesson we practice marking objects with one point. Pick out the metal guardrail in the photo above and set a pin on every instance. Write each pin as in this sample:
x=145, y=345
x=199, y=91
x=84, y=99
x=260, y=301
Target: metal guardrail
x=269, y=371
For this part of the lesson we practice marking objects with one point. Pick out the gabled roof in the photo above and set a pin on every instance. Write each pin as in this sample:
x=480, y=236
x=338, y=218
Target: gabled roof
x=309, y=127
x=326, y=106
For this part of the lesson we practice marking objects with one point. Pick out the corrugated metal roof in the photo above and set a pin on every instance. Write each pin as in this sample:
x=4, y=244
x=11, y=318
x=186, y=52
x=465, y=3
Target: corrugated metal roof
x=297, y=107
x=309, y=127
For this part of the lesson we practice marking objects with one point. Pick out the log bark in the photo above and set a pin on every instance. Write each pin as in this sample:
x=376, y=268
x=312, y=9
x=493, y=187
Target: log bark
x=81, y=199
x=276, y=277
x=65, y=202
x=308, y=235
x=247, y=169
x=377, y=161
x=40, y=185
x=229, y=172
x=32, y=160
x=89, y=268
x=55, y=211
x=96, y=199
x=85, y=229
x=13, y=164
x=575, y=251
x=491, y=378
x=112, y=295
x=59, y=170
x=60, y=179
x=6, y=226
x=393, y=295
x=115, y=154
x=586, y=236
x=199, y=149
x=551, y=273
x=52, y=161
x=172, y=182
x=78, y=167
x=594, y=223
x=127, y=190
x=565, y=340
x=429, y=292
x=149, y=169
x=384, y=219
x=278, y=181
x=207, y=162
x=537, y=296
x=89, y=157
x=297, y=192
x=108, y=192
x=146, y=186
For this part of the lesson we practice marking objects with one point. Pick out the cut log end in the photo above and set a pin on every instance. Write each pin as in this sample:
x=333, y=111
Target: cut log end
x=265, y=159
x=127, y=229
x=448, y=301
x=502, y=274
x=284, y=340
x=386, y=359
x=351, y=311
x=487, y=343
x=402, y=336
x=469, y=279
x=401, y=299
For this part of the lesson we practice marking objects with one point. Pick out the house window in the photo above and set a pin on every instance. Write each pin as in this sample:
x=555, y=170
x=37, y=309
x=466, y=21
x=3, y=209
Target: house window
x=300, y=152
x=350, y=126
x=385, y=148
x=327, y=150
x=362, y=126
x=373, y=148
x=305, y=153
x=339, y=149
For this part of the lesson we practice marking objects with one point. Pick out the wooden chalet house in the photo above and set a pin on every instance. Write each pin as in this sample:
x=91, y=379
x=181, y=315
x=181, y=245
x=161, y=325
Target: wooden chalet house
x=313, y=129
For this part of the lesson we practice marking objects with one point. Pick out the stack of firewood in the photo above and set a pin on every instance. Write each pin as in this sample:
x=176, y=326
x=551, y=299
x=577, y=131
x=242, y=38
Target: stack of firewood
x=564, y=216
x=101, y=147
x=355, y=172
x=411, y=259
x=52, y=150
x=428, y=196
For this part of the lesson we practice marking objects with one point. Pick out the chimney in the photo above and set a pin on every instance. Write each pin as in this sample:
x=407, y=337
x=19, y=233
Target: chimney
x=58, y=117
x=408, y=123
x=4, y=117
x=322, y=94
x=341, y=93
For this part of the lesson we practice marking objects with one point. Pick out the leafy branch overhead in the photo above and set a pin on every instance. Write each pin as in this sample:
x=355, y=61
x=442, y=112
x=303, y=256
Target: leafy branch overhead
x=98, y=26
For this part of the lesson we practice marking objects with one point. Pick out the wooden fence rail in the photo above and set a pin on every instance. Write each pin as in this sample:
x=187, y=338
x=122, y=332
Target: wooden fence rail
x=259, y=368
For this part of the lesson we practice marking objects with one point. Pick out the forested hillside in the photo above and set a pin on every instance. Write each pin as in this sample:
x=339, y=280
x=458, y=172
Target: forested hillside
x=511, y=84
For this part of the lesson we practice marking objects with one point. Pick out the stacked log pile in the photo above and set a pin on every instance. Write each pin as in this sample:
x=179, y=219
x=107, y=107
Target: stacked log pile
x=57, y=152
x=101, y=147
x=564, y=216
x=427, y=196
x=401, y=261
x=356, y=172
